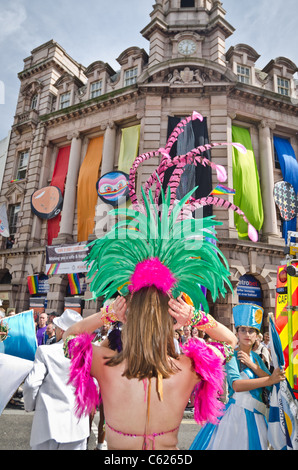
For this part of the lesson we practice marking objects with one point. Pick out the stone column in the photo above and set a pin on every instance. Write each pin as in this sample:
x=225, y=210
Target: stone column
x=108, y=151
x=67, y=215
x=267, y=179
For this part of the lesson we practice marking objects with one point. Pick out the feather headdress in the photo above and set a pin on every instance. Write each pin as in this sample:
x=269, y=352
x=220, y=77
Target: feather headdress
x=156, y=245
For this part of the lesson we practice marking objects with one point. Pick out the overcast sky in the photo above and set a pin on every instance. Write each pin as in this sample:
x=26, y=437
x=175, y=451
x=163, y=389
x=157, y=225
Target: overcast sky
x=92, y=30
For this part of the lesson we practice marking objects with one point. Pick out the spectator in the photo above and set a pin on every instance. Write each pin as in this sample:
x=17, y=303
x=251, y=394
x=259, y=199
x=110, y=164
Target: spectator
x=52, y=315
x=41, y=328
x=50, y=332
x=46, y=390
x=9, y=243
x=262, y=351
x=186, y=334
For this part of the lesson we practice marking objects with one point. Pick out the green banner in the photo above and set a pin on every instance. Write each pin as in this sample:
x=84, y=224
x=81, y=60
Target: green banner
x=246, y=184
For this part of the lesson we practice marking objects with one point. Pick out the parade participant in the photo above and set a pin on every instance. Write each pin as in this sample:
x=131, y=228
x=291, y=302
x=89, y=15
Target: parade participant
x=147, y=375
x=46, y=390
x=244, y=424
x=154, y=255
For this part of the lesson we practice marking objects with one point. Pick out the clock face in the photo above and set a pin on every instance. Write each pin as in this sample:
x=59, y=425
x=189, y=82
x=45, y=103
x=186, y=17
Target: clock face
x=187, y=47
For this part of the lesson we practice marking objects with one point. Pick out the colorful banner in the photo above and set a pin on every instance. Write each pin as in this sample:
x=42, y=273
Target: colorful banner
x=289, y=169
x=58, y=179
x=246, y=183
x=33, y=284
x=283, y=414
x=66, y=259
x=4, y=227
x=74, y=284
x=87, y=194
x=129, y=147
x=220, y=189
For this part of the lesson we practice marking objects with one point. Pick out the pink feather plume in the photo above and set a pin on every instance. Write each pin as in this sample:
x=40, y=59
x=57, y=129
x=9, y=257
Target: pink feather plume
x=152, y=272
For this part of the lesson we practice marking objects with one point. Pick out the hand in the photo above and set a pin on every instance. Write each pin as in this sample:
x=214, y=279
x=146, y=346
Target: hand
x=181, y=311
x=244, y=358
x=277, y=376
x=118, y=307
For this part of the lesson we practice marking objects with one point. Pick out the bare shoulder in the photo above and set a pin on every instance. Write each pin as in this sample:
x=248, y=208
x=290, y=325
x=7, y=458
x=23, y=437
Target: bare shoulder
x=185, y=364
x=101, y=352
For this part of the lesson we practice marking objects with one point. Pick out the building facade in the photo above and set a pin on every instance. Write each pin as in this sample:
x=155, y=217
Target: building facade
x=65, y=109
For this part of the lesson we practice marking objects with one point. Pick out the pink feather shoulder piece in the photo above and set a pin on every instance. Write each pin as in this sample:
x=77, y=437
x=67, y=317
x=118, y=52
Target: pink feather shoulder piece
x=86, y=391
x=210, y=367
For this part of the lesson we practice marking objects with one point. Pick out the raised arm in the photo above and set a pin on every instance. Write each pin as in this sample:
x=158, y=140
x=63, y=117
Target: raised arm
x=186, y=315
x=115, y=312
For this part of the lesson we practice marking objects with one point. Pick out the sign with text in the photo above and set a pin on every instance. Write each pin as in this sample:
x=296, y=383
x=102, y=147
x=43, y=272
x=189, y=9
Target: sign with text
x=66, y=259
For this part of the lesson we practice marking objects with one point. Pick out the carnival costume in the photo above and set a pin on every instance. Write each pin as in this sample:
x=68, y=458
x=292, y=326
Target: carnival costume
x=244, y=424
x=162, y=246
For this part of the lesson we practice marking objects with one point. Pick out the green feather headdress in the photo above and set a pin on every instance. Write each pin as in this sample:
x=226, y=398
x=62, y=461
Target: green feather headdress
x=152, y=245
x=182, y=246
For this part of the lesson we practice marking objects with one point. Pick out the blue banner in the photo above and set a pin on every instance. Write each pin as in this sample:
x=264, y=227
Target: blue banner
x=21, y=341
x=289, y=169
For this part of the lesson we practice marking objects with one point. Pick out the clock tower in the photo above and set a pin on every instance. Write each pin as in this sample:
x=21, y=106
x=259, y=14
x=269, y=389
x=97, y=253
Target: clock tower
x=187, y=29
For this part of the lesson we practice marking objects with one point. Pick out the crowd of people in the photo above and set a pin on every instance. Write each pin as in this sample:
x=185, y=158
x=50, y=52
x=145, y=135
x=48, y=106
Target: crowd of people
x=48, y=392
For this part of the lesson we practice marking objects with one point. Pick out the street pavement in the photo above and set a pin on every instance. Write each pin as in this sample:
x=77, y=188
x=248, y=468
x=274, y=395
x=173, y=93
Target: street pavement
x=15, y=425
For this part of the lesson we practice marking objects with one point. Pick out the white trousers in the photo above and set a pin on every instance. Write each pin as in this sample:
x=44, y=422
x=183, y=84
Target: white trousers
x=51, y=444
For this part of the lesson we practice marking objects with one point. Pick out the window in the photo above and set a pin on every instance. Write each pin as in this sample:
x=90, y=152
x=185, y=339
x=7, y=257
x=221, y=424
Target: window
x=283, y=86
x=13, y=217
x=22, y=167
x=96, y=89
x=187, y=3
x=65, y=100
x=130, y=76
x=33, y=102
x=243, y=74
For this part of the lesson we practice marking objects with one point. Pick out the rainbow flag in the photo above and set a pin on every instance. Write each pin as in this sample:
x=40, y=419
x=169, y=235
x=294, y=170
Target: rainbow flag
x=33, y=284
x=221, y=189
x=53, y=268
x=74, y=283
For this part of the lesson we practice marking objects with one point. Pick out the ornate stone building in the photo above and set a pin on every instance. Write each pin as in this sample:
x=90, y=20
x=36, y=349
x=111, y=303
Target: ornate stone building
x=65, y=105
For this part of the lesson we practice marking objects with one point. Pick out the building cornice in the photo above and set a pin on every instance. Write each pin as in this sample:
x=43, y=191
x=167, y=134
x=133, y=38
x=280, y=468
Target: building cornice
x=113, y=98
x=248, y=246
x=265, y=98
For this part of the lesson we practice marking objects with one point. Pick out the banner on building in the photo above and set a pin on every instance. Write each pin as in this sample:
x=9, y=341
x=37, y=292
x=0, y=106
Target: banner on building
x=4, y=227
x=66, y=259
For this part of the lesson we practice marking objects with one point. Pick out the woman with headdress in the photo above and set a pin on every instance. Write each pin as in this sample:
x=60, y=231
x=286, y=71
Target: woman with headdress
x=159, y=259
x=145, y=387
x=244, y=424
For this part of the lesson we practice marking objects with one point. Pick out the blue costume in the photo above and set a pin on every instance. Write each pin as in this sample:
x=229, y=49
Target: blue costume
x=243, y=425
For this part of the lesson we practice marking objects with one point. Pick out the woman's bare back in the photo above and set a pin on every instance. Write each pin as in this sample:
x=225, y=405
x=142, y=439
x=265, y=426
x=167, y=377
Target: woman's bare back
x=133, y=408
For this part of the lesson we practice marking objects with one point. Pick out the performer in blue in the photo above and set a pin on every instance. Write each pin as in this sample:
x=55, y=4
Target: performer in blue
x=243, y=425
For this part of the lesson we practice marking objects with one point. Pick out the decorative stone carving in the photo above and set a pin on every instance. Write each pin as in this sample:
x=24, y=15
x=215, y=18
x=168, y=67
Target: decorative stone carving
x=198, y=76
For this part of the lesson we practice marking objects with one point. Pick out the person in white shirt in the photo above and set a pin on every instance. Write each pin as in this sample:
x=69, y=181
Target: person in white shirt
x=47, y=392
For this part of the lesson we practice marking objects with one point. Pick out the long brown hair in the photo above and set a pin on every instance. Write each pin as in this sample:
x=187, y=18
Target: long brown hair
x=147, y=337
